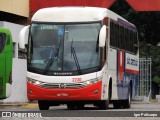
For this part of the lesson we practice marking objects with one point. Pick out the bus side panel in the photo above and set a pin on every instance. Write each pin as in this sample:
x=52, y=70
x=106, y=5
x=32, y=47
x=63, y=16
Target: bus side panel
x=127, y=74
x=130, y=77
x=8, y=72
x=120, y=73
x=112, y=64
x=132, y=71
x=8, y=49
x=2, y=75
x=5, y=63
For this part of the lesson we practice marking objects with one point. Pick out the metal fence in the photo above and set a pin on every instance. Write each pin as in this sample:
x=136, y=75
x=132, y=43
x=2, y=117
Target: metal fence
x=144, y=85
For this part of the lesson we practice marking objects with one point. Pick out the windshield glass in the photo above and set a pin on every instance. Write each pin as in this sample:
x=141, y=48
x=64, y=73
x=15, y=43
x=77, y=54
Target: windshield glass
x=72, y=47
x=2, y=41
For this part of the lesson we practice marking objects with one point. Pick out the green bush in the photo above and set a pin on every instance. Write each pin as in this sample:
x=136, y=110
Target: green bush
x=156, y=79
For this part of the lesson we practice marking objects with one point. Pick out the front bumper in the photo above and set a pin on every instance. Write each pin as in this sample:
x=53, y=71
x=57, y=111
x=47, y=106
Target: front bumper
x=87, y=93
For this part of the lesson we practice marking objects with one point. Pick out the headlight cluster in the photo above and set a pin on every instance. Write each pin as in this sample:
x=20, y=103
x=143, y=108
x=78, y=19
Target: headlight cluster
x=92, y=81
x=35, y=82
x=84, y=83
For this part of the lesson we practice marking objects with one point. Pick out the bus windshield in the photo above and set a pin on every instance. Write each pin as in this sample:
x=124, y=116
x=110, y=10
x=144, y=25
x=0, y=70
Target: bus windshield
x=63, y=47
x=2, y=41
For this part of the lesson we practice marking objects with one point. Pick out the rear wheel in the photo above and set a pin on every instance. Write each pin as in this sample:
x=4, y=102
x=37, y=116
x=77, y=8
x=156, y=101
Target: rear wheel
x=43, y=105
x=127, y=103
x=117, y=104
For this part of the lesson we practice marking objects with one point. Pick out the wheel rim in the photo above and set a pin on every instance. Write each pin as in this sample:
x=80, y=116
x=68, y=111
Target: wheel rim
x=129, y=99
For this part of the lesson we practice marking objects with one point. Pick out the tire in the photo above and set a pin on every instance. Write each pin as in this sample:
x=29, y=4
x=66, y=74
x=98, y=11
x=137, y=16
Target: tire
x=103, y=105
x=117, y=104
x=43, y=105
x=127, y=103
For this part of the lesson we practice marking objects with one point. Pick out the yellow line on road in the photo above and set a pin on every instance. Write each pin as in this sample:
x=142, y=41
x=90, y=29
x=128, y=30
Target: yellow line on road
x=30, y=105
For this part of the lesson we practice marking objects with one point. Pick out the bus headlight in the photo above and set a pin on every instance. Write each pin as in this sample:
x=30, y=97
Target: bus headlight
x=87, y=82
x=35, y=82
x=38, y=82
x=92, y=81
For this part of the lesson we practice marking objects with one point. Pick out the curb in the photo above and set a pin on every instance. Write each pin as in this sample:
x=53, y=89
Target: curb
x=152, y=101
x=12, y=103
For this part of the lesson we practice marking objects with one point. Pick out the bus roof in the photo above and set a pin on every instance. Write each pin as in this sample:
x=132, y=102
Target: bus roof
x=74, y=14
x=5, y=30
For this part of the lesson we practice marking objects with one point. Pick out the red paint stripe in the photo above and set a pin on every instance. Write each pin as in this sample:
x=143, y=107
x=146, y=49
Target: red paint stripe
x=121, y=62
x=132, y=71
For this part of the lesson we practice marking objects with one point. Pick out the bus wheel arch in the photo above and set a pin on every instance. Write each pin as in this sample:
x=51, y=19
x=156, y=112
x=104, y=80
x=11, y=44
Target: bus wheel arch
x=104, y=104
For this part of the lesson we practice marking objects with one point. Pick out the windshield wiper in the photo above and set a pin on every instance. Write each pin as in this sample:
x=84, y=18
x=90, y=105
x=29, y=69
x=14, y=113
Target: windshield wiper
x=50, y=62
x=75, y=57
x=57, y=52
x=51, y=58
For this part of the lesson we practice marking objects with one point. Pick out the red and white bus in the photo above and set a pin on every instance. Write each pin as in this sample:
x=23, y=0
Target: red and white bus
x=80, y=55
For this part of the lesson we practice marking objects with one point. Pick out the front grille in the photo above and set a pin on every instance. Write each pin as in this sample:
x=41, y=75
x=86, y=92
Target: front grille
x=67, y=85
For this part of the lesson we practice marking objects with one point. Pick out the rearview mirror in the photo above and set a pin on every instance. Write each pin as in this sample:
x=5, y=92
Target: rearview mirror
x=23, y=37
x=102, y=36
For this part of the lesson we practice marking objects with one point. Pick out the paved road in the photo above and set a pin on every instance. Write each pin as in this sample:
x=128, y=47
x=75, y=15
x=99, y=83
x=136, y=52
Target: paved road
x=34, y=107
x=89, y=113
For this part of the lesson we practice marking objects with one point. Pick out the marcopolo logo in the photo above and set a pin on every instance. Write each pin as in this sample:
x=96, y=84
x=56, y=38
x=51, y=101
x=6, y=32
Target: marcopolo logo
x=62, y=85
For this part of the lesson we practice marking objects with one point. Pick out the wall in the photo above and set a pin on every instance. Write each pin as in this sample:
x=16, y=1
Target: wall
x=38, y=4
x=19, y=68
x=18, y=7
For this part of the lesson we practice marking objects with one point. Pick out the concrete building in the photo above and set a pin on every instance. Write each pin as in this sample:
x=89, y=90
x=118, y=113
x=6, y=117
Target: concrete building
x=14, y=14
x=16, y=7
x=15, y=11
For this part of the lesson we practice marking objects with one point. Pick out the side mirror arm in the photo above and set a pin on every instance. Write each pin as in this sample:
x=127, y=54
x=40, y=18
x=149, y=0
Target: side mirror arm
x=23, y=35
x=102, y=36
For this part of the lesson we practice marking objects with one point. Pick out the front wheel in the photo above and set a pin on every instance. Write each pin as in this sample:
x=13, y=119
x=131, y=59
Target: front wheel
x=103, y=105
x=43, y=105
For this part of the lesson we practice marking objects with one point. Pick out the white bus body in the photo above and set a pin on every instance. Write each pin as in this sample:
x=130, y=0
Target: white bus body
x=81, y=70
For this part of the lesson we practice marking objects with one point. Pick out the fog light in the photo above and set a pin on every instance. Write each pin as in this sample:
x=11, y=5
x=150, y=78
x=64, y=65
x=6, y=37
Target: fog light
x=30, y=92
x=96, y=92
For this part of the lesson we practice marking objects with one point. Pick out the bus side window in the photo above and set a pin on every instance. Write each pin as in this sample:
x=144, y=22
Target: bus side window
x=106, y=45
x=119, y=37
x=111, y=33
x=135, y=42
x=116, y=35
x=2, y=41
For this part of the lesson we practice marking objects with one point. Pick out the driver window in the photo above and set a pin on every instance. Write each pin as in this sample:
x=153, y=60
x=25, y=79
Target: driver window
x=2, y=41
